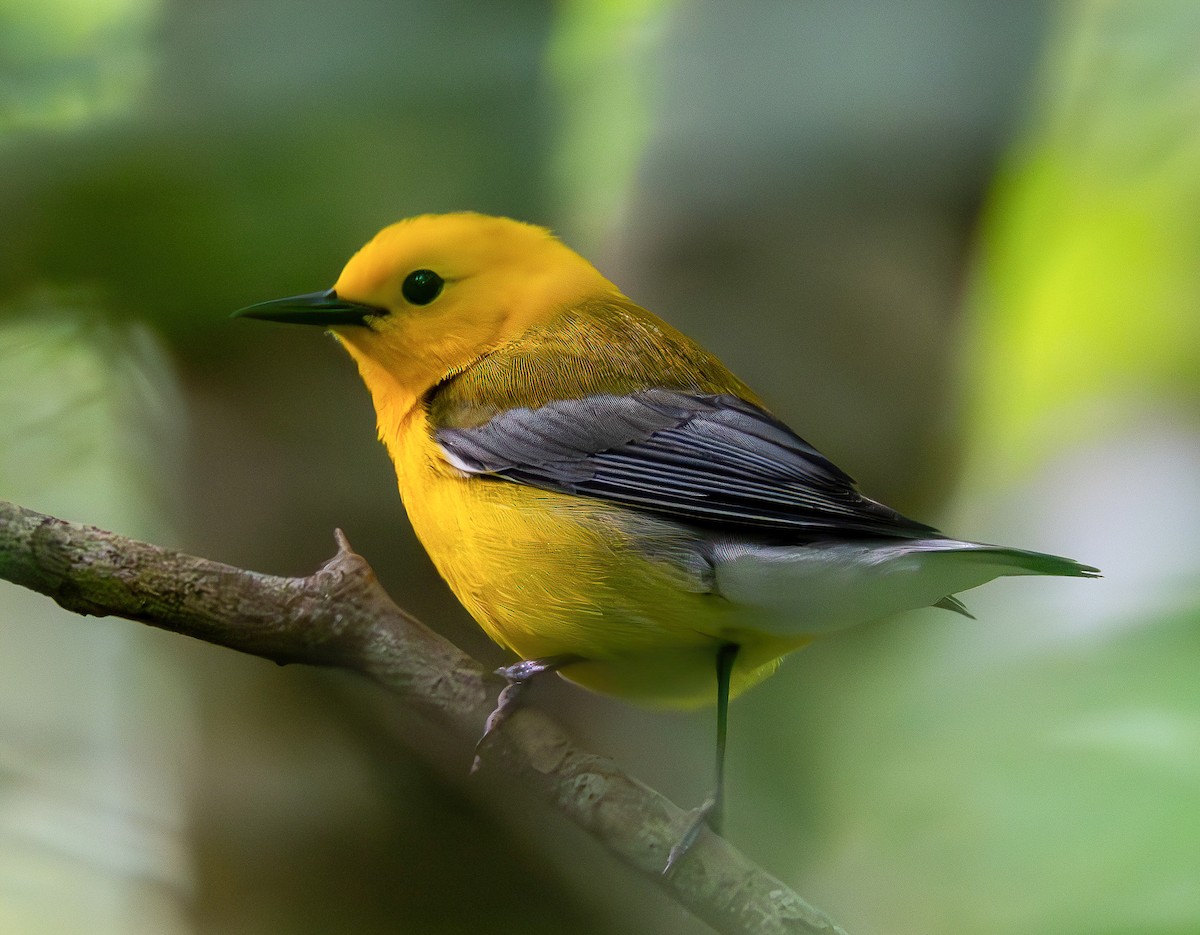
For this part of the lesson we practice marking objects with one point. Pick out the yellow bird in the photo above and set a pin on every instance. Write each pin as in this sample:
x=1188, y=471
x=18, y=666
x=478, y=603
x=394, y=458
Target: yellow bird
x=599, y=491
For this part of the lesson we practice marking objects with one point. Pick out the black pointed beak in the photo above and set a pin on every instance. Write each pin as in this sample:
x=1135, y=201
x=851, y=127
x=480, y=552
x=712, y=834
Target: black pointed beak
x=315, y=308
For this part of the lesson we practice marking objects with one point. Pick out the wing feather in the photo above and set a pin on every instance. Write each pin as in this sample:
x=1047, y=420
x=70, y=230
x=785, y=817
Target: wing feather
x=704, y=459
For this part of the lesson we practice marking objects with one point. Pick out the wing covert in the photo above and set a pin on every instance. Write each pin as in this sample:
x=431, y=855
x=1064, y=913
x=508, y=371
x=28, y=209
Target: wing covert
x=706, y=459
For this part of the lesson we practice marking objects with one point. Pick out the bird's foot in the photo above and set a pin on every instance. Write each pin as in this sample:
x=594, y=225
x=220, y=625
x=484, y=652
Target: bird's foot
x=519, y=675
x=708, y=814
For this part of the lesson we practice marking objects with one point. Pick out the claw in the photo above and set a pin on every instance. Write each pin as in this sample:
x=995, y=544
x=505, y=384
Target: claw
x=519, y=675
x=507, y=702
x=708, y=814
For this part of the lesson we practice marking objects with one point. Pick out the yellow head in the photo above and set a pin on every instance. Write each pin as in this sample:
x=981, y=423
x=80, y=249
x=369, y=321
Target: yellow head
x=429, y=296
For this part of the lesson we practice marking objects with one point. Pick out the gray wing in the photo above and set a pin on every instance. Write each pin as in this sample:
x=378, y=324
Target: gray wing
x=705, y=459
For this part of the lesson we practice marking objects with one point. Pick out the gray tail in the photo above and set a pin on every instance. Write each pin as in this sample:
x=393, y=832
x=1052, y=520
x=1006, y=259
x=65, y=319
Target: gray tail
x=1014, y=561
x=1005, y=561
x=1039, y=563
x=950, y=602
x=1020, y=561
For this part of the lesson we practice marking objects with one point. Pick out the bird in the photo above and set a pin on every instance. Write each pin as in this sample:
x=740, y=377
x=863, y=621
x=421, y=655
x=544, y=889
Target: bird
x=601, y=493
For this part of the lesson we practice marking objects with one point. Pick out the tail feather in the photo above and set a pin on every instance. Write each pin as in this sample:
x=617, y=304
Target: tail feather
x=830, y=586
x=950, y=602
x=1034, y=563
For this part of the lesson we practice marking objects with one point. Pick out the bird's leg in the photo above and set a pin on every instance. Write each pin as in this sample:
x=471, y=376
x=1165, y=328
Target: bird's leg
x=518, y=676
x=712, y=811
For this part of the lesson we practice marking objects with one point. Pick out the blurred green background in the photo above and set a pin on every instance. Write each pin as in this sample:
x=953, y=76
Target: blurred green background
x=957, y=246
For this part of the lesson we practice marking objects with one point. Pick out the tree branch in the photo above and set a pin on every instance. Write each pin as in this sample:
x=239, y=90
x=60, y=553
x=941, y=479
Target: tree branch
x=340, y=616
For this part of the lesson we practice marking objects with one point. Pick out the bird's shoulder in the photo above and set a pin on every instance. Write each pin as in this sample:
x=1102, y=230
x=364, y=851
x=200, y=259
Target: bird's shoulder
x=606, y=347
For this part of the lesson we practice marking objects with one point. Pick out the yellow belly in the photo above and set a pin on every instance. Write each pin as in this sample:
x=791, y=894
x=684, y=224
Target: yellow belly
x=549, y=574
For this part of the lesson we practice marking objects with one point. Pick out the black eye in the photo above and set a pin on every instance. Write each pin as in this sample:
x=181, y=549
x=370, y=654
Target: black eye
x=422, y=286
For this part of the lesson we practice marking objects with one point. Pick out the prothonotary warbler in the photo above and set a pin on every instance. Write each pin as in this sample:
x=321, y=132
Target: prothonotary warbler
x=599, y=491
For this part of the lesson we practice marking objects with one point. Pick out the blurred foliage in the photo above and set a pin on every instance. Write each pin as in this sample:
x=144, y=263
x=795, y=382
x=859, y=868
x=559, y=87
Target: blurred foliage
x=800, y=187
x=93, y=419
x=598, y=61
x=64, y=64
x=1088, y=309
x=96, y=725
